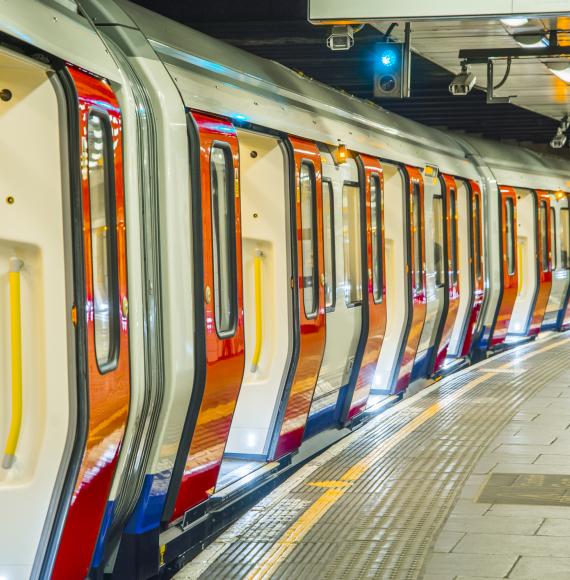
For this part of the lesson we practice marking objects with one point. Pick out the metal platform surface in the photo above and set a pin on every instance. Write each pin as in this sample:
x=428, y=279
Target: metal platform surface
x=387, y=500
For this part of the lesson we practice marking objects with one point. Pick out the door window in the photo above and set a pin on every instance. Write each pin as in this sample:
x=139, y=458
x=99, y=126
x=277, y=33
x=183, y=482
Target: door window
x=351, y=243
x=453, y=233
x=478, y=244
x=376, y=202
x=438, y=222
x=553, y=241
x=510, y=235
x=417, y=238
x=103, y=240
x=543, y=236
x=328, y=242
x=223, y=238
x=309, y=239
x=564, y=238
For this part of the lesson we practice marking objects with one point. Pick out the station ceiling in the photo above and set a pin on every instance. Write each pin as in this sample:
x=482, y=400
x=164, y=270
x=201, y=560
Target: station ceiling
x=280, y=31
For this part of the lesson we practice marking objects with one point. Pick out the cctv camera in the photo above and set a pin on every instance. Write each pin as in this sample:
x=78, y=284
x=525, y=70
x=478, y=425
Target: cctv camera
x=341, y=38
x=463, y=82
x=559, y=140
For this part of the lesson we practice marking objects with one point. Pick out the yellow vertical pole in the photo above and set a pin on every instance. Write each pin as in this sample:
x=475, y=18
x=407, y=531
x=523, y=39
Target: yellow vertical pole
x=16, y=266
x=258, y=309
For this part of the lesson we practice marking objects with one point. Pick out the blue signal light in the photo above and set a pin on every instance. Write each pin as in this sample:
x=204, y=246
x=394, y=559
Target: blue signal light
x=388, y=58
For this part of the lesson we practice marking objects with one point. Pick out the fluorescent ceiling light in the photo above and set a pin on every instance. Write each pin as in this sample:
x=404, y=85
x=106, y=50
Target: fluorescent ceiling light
x=531, y=40
x=514, y=22
x=561, y=70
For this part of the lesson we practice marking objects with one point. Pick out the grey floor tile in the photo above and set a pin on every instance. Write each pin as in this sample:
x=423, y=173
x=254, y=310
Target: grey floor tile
x=468, y=507
x=447, y=541
x=491, y=524
x=532, y=468
x=522, y=458
x=542, y=568
x=512, y=544
x=540, y=511
x=530, y=439
x=524, y=449
x=470, y=565
x=556, y=527
x=547, y=459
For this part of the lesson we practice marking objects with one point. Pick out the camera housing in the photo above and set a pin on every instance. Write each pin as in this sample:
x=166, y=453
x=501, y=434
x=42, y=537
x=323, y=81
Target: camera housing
x=559, y=140
x=462, y=84
x=341, y=38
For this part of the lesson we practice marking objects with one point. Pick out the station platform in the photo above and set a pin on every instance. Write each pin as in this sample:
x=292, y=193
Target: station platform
x=469, y=478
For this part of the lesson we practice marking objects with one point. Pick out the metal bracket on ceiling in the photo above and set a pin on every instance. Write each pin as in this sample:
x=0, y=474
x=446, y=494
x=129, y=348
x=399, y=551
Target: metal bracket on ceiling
x=491, y=99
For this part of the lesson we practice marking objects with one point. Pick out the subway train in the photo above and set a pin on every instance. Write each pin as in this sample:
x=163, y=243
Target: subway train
x=212, y=267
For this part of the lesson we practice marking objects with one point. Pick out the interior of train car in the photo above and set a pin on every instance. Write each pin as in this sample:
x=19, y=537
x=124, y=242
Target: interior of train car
x=230, y=284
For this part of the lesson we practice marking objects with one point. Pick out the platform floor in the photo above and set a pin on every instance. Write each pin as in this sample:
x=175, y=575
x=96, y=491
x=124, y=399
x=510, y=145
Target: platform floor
x=470, y=478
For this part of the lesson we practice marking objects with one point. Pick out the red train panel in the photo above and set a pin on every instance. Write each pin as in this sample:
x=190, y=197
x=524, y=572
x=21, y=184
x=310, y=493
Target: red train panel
x=376, y=291
x=109, y=388
x=312, y=326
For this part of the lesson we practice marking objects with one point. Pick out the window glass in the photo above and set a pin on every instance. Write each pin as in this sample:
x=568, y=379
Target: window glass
x=453, y=233
x=564, y=238
x=510, y=234
x=223, y=244
x=543, y=237
x=553, y=241
x=417, y=238
x=478, y=249
x=351, y=243
x=308, y=239
x=105, y=285
x=376, y=201
x=437, y=226
x=328, y=240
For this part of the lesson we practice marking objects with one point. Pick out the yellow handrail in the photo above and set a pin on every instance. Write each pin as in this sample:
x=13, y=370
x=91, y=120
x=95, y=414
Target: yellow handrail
x=258, y=311
x=16, y=266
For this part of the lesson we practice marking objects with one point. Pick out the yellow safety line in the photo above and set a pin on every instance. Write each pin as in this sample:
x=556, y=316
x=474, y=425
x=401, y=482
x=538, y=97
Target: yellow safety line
x=258, y=310
x=267, y=566
x=16, y=346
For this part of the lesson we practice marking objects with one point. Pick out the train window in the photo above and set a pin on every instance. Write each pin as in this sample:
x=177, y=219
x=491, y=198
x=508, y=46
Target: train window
x=510, y=235
x=417, y=238
x=328, y=242
x=543, y=236
x=437, y=226
x=309, y=239
x=103, y=240
x=478, y=248
x=376, y=202
x=351, y=243
x=453, y=233
x=553, y=241
x=564, y=238
x=223, y=243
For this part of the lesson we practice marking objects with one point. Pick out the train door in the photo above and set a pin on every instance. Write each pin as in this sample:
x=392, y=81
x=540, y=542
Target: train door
x=343, y=289
x=376, y=294
x=405, y=277
x=37, y=350
x=527, y=262
x=452, y=257
x=222, y=329
x=310, y=307
x=559, y=243
x=268, y=302
x=508, y=264
x=435, y=252
x=470, y=241
x=544, y=261
x=564, y=228
x=99, y=137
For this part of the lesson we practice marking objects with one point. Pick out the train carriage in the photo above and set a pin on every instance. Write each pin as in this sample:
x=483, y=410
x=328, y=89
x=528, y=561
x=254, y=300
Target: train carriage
x=215, y=266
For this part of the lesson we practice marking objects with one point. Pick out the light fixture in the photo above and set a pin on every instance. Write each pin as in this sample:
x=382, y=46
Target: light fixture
x=341, y=153
x=463, y=82
x=537, y=40
x=514, y=22
x=560, y=69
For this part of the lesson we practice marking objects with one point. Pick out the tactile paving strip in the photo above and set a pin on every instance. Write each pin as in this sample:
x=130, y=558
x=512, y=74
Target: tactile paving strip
x=381, y=522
